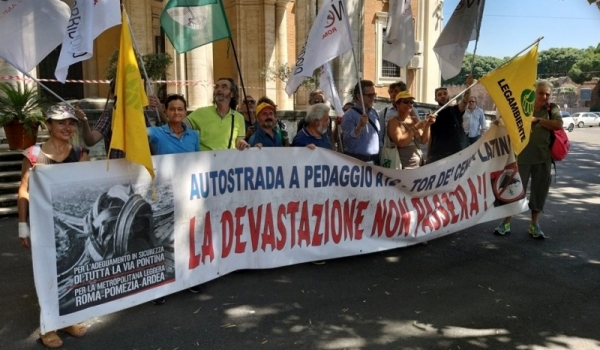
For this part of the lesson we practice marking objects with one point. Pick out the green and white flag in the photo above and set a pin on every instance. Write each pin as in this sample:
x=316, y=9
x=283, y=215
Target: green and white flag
x=192, y=23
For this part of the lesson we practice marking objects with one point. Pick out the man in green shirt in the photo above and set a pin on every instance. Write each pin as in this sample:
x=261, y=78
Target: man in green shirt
x=535, y=160
x=220, y=125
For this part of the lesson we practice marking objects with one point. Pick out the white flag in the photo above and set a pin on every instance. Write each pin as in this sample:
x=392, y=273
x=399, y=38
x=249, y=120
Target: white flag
x=30, y=30
x=329, y=37
x=88, y=20
x=462, y=27
x=399, y=45
x=328, y=86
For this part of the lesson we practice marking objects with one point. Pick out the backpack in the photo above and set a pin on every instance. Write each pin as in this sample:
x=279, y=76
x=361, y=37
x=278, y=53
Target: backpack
x=559, y=145
x=559, y=142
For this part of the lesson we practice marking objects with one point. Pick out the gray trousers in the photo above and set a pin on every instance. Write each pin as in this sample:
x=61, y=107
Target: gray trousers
x=541, y=178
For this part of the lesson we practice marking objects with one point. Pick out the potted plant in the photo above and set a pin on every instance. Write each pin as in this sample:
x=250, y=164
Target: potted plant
x=20, y=114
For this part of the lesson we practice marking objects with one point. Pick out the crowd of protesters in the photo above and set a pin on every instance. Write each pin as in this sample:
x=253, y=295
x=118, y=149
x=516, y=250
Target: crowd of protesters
x=361, y=133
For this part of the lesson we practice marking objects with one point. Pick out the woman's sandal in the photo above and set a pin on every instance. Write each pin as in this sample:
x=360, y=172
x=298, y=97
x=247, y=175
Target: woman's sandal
x=51, y=340
x=76, y=330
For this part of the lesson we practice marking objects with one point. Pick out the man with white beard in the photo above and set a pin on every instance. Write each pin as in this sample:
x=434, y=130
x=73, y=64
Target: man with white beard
x=314, y=133
x=220, y=125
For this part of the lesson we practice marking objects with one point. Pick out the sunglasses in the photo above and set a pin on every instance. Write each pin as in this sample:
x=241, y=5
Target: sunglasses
x=318, y=101
x=407, y=102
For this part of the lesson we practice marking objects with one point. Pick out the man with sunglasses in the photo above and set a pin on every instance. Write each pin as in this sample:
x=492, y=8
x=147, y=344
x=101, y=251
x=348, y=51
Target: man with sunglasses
x=361, y=128
x=315, y=96
x=473, y=121
x=447, y=135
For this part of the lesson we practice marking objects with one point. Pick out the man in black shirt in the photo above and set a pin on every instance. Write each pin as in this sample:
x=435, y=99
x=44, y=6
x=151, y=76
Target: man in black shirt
x=447, y=135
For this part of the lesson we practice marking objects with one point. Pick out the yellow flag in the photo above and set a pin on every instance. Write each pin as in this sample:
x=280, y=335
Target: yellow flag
x=128, y=122
x=512, y=87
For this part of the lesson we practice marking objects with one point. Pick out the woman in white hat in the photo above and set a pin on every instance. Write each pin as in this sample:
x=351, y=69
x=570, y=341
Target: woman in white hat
x=62, y=124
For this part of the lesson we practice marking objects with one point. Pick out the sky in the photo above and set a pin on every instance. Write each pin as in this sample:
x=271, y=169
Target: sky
x=509, y=26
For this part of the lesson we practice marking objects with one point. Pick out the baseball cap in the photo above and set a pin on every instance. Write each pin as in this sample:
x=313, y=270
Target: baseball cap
x=403, y=95
x=262, y=106
x=60, y=112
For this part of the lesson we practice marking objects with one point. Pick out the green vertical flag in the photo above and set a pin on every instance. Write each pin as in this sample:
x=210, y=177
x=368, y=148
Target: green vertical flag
x=192, y=23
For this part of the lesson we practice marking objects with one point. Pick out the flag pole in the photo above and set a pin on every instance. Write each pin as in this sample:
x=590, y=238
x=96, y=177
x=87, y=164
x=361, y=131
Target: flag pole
x=141, y=61
x=359, y=88
x=478, y=24
x=475, y=83
x=520, y=52
x=237, y=63
x=44, y=86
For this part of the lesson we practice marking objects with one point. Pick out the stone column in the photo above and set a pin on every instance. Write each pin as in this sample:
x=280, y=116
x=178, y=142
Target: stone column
x=199, y=69
x=283, y=101
x=269, y=46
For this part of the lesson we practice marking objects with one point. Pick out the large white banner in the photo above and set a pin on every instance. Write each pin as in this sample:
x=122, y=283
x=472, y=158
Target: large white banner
x=101, y=243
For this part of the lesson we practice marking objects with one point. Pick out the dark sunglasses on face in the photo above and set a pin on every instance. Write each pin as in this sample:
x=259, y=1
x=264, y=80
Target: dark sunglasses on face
x=407, y=102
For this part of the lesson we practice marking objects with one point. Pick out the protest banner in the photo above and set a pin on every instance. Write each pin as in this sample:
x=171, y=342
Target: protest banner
x=112, y=246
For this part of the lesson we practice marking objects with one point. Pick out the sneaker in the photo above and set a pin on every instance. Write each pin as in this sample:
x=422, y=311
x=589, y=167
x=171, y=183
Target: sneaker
x=536, y=232
x=502, y=229
x=195, y=289
x=159, y=301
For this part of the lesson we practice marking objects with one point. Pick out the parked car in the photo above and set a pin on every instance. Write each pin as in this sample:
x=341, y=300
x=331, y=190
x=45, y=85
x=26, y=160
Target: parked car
x=568, y=122
x=583, y=119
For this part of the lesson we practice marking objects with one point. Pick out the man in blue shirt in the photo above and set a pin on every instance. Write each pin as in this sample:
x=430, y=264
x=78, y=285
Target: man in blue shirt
x=473, y=121
x=314, y=133
x=361, y=129
x=267, y=134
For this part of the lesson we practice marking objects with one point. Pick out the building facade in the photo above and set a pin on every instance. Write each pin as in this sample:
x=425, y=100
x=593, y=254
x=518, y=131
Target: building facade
x=267, y=35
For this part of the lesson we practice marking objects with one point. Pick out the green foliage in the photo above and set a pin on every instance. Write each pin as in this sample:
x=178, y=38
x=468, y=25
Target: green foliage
x=21, y=103
x=587, y=67
x=483, y=65
x=283, y=71
x=156, y=64
x=556, y=62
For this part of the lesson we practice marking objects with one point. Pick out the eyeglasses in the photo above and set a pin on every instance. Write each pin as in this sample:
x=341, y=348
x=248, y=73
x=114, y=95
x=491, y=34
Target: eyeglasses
x=407, y=102
x=372, y=95
x=318, y=101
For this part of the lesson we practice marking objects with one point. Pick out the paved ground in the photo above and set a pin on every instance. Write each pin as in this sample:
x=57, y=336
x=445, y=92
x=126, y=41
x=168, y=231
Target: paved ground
x=469, y=290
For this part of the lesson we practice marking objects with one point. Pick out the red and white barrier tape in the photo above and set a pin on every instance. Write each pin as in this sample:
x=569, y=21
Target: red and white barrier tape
x=92, y=81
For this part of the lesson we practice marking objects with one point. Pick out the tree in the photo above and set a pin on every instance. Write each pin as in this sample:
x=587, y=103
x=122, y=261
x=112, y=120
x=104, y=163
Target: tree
x=155, y=63
x=483, y=65
x=557, y=62
x=283, y=71
x=587, y=67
